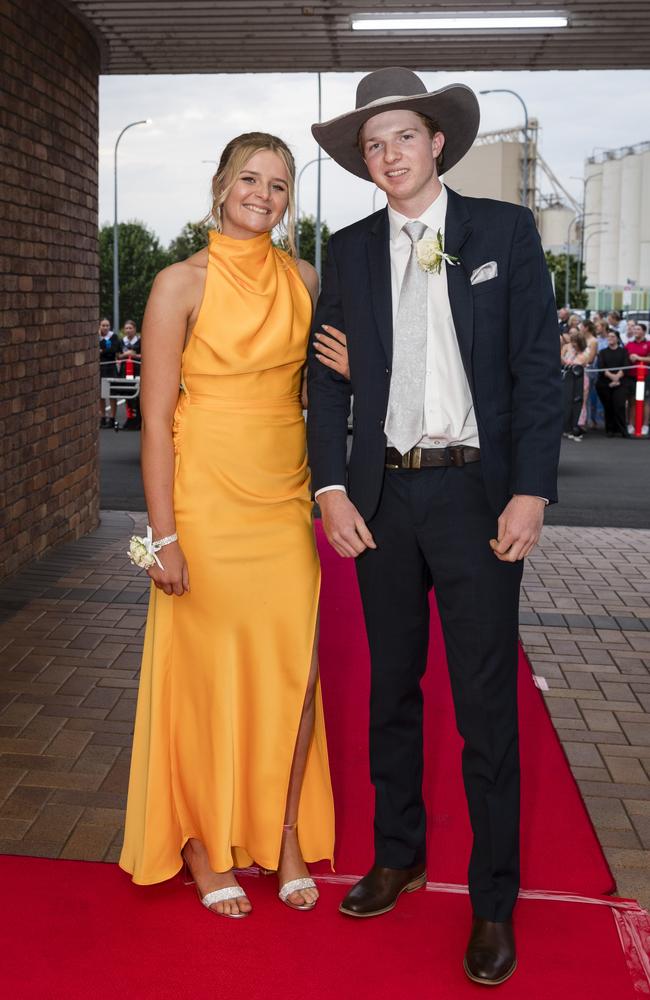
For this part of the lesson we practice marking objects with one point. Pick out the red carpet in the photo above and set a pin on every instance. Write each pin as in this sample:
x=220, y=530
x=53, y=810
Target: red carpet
x=72, y=930
x=560, y=850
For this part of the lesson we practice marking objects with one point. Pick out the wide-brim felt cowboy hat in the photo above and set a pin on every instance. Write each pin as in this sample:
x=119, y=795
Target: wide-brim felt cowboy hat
x=454, y=109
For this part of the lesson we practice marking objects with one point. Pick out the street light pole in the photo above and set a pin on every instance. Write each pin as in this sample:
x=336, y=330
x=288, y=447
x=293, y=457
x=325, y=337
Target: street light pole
x=581, y=254
x=116, y=244
x=505, y=90
x=596, y=232
x=318, y=252
x=580, y=216
x=324, y=159
x=567, y=273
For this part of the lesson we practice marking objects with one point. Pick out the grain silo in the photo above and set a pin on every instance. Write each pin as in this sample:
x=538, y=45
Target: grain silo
x=595, y=233
x=609, y=211
x=555, y=223
x=644, y=225
x=630, y=228
x=617, y=234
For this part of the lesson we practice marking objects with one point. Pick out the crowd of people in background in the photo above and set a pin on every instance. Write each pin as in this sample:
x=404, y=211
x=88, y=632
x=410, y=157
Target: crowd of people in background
x=119, y=357
x=601, y=356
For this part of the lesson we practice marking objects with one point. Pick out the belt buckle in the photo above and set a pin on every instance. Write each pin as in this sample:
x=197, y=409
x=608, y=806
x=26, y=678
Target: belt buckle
x=414, y=458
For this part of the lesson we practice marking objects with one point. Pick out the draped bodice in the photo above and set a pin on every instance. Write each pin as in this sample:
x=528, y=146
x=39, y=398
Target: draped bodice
x=249, y=342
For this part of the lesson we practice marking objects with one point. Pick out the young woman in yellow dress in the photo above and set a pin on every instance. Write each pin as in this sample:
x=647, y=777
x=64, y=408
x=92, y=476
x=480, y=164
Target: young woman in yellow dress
x=229, y=762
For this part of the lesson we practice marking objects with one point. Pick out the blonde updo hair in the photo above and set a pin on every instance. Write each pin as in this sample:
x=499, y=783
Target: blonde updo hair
x=234, y=159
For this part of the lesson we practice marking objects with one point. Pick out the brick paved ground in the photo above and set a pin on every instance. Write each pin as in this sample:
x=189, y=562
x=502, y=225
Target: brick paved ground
x=585, y=624
x=70, y=642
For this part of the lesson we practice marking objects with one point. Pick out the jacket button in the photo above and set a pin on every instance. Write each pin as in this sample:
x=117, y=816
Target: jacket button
x=381, y=423
x=387, y=371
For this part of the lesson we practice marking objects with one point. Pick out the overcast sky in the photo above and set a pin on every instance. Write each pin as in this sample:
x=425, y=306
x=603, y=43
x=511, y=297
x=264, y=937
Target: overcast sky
x=164, y=183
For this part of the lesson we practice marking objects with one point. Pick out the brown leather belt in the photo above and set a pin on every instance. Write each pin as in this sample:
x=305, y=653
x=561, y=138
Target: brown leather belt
x=431, y=458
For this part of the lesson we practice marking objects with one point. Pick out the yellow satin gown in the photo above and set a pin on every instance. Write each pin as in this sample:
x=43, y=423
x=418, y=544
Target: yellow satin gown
x=225, y=667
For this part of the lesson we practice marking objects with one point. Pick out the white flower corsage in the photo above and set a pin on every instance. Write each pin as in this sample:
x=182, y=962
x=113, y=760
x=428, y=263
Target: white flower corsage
x=431, y=254
x=143, y=552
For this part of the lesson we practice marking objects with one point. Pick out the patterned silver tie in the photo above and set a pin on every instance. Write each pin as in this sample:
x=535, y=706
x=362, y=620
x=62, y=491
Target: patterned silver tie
x=405, y=413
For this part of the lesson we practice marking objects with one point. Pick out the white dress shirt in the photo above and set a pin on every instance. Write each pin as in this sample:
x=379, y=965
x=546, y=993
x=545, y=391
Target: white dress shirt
x=448, y=409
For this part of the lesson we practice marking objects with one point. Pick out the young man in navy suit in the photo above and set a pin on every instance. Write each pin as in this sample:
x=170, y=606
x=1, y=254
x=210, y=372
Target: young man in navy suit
x=452, y=337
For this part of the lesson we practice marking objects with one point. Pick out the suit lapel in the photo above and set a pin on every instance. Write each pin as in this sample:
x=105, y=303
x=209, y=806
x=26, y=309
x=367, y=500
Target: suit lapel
x=458, y=227
x=380, y=282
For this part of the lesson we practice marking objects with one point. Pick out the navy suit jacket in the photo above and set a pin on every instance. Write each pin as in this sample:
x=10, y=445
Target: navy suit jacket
x=508, y=338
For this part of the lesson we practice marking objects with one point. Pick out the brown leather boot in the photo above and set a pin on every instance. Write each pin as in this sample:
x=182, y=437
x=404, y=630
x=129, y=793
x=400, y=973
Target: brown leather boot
x=490, y=957
x=378, y=891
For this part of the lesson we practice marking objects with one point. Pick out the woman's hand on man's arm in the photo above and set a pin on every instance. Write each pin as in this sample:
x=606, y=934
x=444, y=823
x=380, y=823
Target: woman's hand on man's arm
x=332, y=350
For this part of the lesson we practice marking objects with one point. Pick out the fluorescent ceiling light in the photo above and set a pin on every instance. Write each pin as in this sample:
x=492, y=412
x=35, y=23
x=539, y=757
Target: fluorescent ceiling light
x=459, y=21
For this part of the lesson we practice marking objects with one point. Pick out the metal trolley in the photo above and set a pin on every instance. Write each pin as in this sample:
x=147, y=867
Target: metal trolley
x=125, y=387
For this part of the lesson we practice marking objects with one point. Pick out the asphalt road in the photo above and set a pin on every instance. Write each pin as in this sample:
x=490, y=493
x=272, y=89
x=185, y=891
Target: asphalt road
x=604, y=482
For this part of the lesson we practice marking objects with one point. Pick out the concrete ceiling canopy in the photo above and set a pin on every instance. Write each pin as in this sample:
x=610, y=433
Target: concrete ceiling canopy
x=261, y=36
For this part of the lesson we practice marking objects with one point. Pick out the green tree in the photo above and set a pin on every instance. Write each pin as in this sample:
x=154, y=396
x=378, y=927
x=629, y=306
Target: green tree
x=307, y=230
x=141, y=257
x=192, y=237
x=557, y=266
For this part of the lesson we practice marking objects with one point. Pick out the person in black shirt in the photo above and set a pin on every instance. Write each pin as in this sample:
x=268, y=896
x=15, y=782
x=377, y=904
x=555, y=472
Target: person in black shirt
x=609, y=385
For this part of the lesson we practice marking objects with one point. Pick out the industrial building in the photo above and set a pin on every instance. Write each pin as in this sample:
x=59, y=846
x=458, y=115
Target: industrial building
x=614, y=245
x=617, y=244
x=493, y=168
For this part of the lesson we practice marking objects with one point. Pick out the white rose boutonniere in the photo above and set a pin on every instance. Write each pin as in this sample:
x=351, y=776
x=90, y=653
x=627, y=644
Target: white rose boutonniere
x=431, y=253
x=139, y=552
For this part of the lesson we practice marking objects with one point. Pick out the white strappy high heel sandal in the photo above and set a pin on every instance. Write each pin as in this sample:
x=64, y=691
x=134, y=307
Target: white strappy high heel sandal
x=296, y=884
x=217, y=895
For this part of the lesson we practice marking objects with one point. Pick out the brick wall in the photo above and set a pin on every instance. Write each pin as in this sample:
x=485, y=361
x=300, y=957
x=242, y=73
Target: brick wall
x=48, y=280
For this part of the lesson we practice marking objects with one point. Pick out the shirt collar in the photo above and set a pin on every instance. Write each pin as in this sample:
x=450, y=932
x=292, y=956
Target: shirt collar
x=433, y=217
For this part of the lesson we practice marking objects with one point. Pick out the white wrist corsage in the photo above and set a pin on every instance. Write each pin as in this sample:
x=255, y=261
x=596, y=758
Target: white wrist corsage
x=143, y=551
x=431, y=253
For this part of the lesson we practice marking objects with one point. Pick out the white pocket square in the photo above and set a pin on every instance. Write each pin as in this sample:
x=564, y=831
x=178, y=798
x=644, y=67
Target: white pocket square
x=485, y=272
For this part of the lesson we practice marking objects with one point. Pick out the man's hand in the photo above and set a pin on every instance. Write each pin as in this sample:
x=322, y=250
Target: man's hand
x=520, y=526
x=345, y=528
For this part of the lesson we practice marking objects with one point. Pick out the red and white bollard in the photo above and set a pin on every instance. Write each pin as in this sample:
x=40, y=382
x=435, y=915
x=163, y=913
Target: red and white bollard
x=129, y=372
x=639, y=399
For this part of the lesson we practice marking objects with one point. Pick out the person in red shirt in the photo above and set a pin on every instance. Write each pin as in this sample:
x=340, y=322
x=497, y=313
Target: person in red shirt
x=638, y=349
